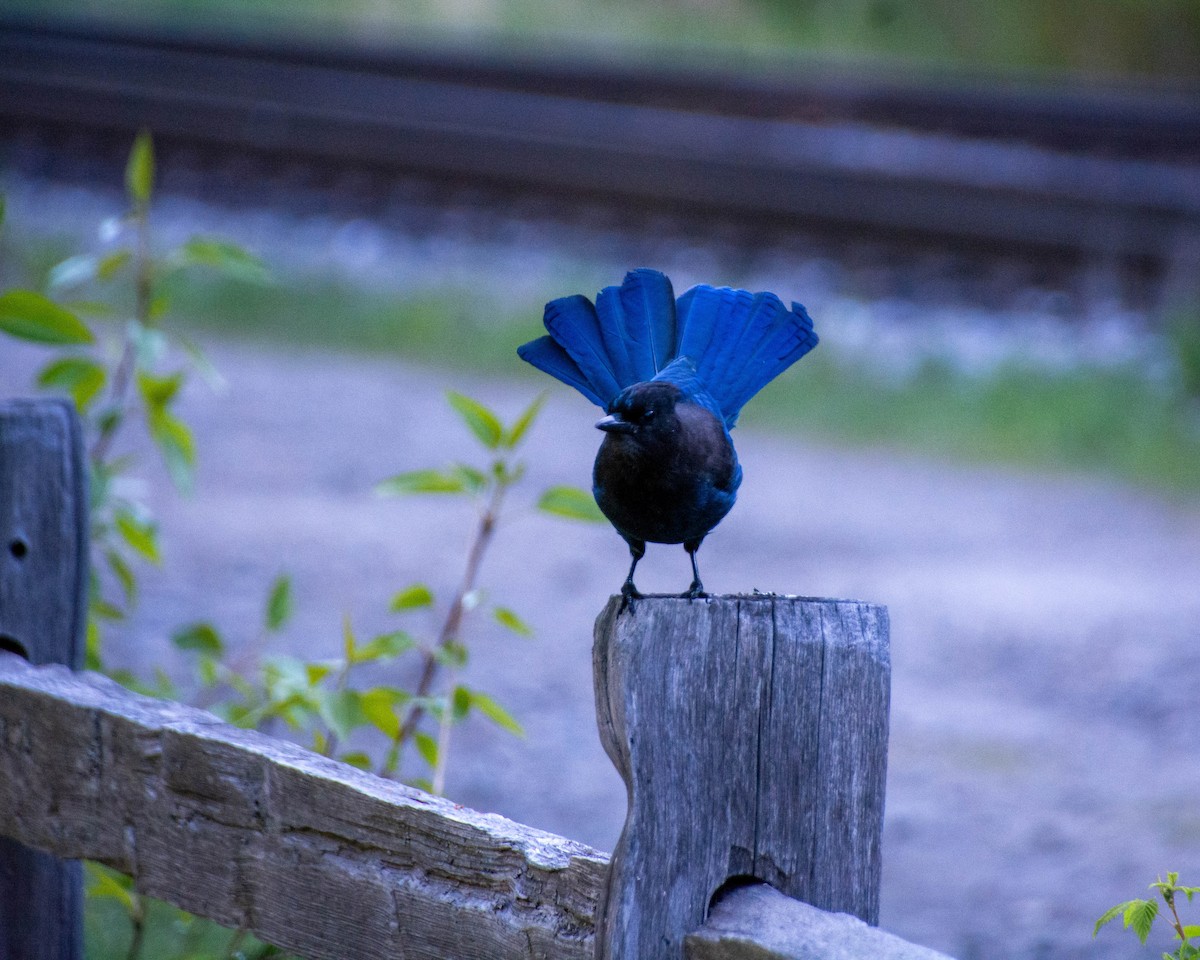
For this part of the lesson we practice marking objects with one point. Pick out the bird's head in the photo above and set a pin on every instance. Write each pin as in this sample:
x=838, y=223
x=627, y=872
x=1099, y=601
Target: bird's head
x=645, y=409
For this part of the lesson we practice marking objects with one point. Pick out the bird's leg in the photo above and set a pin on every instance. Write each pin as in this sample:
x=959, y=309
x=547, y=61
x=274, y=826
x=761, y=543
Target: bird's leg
x=696, y=590
x=637, y=550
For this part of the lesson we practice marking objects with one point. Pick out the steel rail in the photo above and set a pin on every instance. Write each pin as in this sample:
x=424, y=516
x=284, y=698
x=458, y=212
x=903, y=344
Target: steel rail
x=633, y=145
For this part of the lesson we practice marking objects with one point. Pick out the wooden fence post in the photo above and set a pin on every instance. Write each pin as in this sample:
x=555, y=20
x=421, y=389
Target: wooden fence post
x=751, y=732
x=43, y=610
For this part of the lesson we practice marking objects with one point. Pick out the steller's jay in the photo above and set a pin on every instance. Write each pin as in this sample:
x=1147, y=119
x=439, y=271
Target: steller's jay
x=672, y=375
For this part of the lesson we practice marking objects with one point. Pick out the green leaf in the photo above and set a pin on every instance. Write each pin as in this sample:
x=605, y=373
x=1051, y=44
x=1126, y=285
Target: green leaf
x=139, y=171
x=451, y=654
x=158, y=392
x=496, y=713
x=221, y=255
x=207, y=668
x=72, y=272
x=460, y=703
x=410, y=598
x=142, y=536
x=1109, y=915
x=358, y=759
x=201, y=637
x=483, y=423
x=1, y=208
x=342, y=712
x=202, y=364
x=571, y=502
x=109, y=885
x=177, y=447
x=427, y=747
x=279, y=603
x=1140, y=914
x=105, y=610
x=379, y=707
x=33, y=317
x=516, y=433
x=349, y=643
x=124, y=574
x=93, y=640
x=472, y=479
x=112, y=264
x=385, y=646
x=507, y=618
x=83, y=379
x=1191, y=930
x=317, y=671
x=420, y=481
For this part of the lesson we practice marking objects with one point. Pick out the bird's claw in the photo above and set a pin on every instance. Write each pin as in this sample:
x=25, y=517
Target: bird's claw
x=629, y=593
x=694, y=592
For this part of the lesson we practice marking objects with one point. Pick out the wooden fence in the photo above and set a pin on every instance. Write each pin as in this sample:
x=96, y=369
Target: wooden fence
x=751, y=732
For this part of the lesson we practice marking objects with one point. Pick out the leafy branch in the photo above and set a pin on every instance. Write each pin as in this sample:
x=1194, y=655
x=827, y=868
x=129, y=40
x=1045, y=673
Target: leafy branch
x=1139, y=915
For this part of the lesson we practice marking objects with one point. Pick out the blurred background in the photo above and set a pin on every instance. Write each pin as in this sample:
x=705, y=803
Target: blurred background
x=992, y=212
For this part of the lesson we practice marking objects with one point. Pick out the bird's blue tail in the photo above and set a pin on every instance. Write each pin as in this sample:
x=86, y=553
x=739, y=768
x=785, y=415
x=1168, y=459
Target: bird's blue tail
x=736, y=342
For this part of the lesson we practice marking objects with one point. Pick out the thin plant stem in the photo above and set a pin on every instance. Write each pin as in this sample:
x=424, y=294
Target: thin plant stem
x=443, y=751
x=123, y=375
x=234, y=942
x=450, y=627
x=137, y=918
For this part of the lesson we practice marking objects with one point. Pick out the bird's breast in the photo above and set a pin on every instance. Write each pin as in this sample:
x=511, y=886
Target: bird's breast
x=667, y=487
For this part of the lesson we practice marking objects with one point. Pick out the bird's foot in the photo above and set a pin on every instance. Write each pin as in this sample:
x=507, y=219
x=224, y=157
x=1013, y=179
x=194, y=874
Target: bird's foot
x=694, y=592
x=629, y=593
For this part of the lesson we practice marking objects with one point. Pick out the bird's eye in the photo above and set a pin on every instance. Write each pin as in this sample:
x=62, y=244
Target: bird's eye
x=648, y=414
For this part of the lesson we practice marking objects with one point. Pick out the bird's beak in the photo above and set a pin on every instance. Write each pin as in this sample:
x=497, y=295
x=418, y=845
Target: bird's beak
x=614, y=424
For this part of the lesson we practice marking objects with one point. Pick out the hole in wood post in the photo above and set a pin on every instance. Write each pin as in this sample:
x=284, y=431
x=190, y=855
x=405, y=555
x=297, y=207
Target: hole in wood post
x=18, y=548
x=733, y=883
x=13, y=646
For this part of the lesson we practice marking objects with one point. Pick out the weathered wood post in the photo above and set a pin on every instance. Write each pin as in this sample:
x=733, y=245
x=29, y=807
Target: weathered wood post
x=751, y=732
x=43, y=609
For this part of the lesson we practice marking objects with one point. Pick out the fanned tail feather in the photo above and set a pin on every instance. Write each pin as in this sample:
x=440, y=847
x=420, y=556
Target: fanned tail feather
x=648, y=304
x=734, y=342
x=787, y=338
x=573, y=323
x=732, y=311
x=545, y=354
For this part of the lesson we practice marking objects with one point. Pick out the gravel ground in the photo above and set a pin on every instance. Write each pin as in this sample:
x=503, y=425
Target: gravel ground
x=1045, y=630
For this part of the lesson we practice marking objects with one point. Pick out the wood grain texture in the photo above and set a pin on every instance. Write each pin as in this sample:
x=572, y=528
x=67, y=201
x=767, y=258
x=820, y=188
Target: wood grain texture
x=312, y=855
x=43, y=584
x=760, y=923
x=751, y=733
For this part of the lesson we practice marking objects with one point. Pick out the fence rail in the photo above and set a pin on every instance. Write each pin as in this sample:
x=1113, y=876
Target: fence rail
x=254, y=832
x=751, y=732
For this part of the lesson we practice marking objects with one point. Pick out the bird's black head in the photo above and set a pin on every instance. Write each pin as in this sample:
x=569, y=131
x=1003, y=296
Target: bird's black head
x=644, y=408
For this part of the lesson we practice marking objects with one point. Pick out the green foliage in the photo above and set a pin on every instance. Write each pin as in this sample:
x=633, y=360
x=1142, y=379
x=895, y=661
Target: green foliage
x=1139, y=915
x=142, y=384
x=1183, y=334
x=32, y=316
x=119, y=375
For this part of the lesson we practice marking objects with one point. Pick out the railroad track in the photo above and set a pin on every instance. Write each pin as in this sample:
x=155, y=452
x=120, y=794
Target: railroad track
x=1103, y=174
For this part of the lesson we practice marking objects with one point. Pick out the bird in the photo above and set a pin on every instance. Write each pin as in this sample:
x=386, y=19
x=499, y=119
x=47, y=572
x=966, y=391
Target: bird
x=671, y=375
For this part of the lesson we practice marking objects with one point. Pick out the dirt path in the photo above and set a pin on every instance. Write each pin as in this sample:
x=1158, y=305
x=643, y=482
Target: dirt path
x=1046, y=632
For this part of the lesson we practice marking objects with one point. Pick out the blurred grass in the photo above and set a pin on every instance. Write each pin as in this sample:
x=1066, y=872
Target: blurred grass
x=1158, y=38
x=1111, y=422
